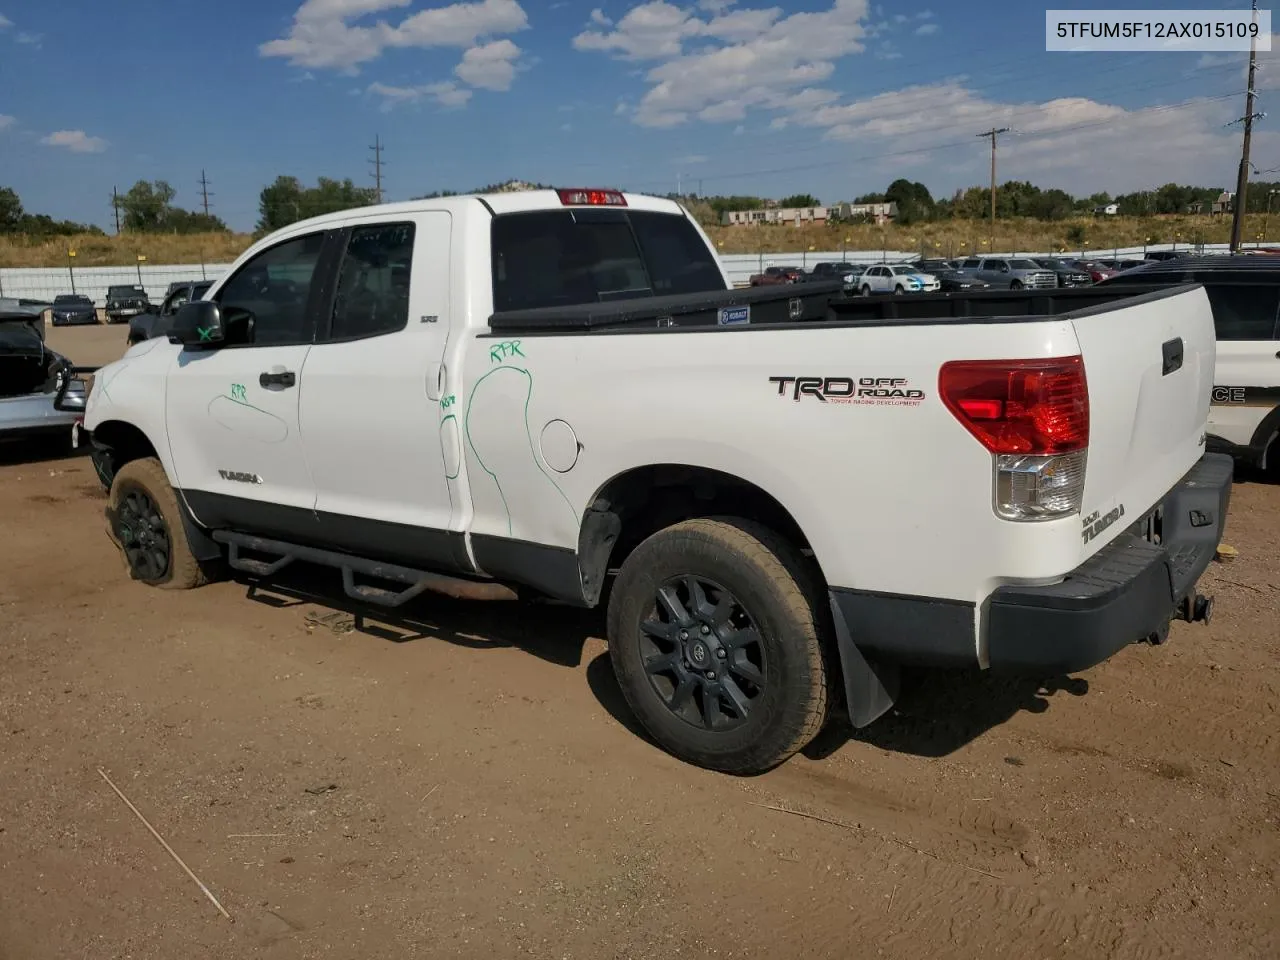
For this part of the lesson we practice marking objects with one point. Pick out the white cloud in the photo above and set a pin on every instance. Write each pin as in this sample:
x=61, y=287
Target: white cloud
x=29, y=39
x=446, y=93
x=5, y=22
x=691, y=160
x=77, y=141
x=739, y=130
x=6, y=121
x=1077, y=144
x=719, y=66
x=325, y=34
x=491, y=66
x=926, y=28
x=924, y=15
x=599, y=19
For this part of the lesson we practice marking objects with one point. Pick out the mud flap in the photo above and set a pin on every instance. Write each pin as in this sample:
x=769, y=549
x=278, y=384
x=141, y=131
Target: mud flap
x=870, y=689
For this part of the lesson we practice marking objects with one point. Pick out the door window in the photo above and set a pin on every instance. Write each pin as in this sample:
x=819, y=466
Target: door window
x=265, y=301
x=372, y=295
x=1244, y=312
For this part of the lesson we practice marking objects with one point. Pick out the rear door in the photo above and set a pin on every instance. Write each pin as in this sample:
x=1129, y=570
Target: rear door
x=1246, y=385
x=379, y=408
x=1150, y=367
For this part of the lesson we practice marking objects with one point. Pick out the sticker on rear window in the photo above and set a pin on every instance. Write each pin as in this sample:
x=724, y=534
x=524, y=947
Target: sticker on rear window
x=733, y=315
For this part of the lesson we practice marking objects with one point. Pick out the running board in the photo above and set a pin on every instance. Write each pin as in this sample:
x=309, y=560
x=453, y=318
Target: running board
x=419, y=581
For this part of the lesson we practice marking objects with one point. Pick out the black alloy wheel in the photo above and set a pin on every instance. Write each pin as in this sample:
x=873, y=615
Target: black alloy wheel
x=143, y=535
x=703, y=654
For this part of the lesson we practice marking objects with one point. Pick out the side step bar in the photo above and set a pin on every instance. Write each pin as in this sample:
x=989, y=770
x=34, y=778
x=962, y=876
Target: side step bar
x=419, y=580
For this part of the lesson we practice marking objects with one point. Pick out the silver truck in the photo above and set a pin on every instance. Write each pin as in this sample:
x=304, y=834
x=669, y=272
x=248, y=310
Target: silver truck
x=1010, y=273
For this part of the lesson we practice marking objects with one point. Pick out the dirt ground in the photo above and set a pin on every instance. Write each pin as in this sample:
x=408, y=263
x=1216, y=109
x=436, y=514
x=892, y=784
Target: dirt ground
x=465, y=781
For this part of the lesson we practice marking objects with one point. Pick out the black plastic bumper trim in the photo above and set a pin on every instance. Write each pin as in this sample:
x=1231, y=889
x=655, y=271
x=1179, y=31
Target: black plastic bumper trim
x=1124, y=593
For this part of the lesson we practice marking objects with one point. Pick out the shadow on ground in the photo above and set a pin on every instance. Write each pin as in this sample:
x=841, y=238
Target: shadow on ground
x=937, y=713
x=41, y=449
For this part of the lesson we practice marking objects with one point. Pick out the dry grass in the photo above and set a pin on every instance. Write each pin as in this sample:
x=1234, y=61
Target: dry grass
x=956, y=237
x=98, y=251
x=946, y=238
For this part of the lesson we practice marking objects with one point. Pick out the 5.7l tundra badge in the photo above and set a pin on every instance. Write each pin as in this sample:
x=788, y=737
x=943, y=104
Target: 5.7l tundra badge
x=239, y=477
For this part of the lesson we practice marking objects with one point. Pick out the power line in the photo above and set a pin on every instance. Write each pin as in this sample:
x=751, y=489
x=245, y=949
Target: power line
x=204, y=192
x=377, y=166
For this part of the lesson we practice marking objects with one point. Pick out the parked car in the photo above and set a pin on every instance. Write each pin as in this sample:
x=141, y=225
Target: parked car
x=1012, y=273
x=570, y=454
x=31, y=376
x=773, y=276
x=156, y=321
x=1069, y=273
x=1165, y=254
x=950, y=279
x=125, y=301
x=69, y=309
x=1244, y=293
x=1121, y=264
x=847, y=273
x=1098, y=271
x=897, y=278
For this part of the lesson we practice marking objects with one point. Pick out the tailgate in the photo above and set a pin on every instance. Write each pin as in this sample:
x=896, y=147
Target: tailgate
x=1149, y=364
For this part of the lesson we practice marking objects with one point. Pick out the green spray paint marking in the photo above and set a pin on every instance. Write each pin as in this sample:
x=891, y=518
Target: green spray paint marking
x=528, y=434
x=447, y=402
x=505, y=350
x=237, y=393
x=206, y=333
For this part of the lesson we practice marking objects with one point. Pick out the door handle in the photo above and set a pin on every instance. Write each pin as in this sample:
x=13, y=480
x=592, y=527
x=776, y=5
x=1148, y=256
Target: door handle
x=277, y=378
x=436, y=377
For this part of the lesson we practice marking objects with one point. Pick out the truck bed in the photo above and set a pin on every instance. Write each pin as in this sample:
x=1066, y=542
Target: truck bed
x=823, y=303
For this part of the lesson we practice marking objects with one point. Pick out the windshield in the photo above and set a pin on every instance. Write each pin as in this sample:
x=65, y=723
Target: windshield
x=125, y=292
x=1024, y=265
x=70, y=298
x=903, y=270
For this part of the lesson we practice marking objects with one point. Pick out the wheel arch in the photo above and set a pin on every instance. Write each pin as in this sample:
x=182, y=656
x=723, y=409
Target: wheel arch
x=641, y=500
x=120, y=442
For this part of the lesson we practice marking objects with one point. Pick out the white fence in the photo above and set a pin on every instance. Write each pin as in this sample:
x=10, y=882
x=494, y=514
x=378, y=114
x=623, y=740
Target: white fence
x=44, y=283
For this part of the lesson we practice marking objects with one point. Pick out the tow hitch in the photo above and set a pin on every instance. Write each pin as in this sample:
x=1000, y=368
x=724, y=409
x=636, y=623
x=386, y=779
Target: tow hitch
x=1196, y=608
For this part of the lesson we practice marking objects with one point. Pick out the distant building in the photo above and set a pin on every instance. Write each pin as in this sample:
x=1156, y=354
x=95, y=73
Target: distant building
x=877, y=212
x=1223, y=205
x=1107, y=210
x=796, y=216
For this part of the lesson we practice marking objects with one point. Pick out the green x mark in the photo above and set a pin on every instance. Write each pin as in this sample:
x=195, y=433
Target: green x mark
x=206, y=333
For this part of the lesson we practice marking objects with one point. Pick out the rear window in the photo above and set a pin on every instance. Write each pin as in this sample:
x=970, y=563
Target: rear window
x=561, y=258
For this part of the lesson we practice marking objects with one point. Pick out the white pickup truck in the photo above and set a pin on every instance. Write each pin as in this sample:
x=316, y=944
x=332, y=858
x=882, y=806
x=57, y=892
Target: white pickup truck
x=559, y=393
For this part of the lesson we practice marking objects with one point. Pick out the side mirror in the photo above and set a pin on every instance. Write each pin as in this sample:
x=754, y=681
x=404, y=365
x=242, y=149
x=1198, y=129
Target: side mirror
x=198, y=323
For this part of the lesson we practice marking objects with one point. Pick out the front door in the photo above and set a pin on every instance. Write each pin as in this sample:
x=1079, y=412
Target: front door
x=232, y=412
x=379, y=408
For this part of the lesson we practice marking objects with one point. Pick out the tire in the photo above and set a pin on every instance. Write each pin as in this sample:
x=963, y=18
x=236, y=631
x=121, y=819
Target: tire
x=897, y=288
x=866, y=290
x=142, y=510
x=781, y=674
x=1015, y=285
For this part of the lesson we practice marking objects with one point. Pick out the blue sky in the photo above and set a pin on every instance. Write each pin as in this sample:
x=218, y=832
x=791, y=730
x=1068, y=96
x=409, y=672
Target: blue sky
x=833, y=97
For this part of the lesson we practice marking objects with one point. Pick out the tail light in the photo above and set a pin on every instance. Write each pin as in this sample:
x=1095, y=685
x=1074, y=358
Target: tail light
x=1033, y=417
x=579, y=197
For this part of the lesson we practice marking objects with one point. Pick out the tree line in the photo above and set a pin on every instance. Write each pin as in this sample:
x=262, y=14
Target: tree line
x=1014, y=198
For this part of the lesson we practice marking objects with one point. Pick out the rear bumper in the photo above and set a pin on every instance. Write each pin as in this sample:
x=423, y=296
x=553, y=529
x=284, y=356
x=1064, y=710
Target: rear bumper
x=1126, y=592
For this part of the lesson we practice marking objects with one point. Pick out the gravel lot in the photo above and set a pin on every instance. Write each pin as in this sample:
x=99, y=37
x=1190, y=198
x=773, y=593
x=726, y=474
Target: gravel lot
x=466, y=782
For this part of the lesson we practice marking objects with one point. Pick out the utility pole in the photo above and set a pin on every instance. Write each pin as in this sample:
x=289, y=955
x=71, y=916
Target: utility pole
x=377, y=166
x=993, y=133
x=115, y=205
x=1242, y=179
x=204, y=192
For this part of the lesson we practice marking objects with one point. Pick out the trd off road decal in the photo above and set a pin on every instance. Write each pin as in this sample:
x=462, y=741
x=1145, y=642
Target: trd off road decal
x=866, y=391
